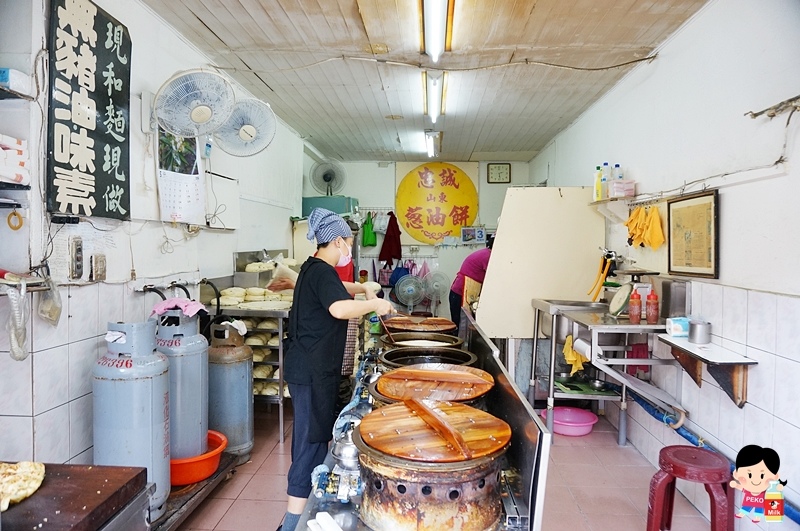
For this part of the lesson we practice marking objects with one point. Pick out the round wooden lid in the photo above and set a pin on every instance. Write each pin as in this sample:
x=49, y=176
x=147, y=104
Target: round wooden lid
x=402, y=323
x=434, y=432
x=435, y=381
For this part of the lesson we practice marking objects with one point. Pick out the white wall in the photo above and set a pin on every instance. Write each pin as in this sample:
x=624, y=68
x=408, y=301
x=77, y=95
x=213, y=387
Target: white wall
x=52, y=387
x=681, y=118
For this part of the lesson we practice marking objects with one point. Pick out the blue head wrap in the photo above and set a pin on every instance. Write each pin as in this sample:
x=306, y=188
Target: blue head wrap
x=326, y=226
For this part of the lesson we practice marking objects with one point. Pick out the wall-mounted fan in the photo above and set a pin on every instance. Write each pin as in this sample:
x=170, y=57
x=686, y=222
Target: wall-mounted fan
x=194, y=103
x=249, y=129
x=410, y=290
x=437, y=286
x=327, y=177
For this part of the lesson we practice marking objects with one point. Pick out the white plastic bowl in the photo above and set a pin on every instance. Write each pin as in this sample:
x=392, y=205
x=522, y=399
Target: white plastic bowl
x=571, y=421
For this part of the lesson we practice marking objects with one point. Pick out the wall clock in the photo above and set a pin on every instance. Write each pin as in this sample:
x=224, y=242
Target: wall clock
x=498, y=173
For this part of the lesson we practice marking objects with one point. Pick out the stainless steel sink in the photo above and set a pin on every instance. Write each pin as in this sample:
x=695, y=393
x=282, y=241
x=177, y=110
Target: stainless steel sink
x=550, y=309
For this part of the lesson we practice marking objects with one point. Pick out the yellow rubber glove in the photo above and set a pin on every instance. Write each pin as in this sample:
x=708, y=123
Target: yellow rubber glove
x=653, y=234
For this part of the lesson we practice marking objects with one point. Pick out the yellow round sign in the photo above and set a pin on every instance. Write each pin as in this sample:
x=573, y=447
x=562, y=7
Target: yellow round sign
x=435, y=200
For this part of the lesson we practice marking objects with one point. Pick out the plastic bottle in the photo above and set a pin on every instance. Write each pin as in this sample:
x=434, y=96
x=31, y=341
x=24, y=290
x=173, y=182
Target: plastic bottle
x=616, y=173
x=773, y=503
x=598, y=185
x=635, y=307
x=651, y=308
x=604, y=180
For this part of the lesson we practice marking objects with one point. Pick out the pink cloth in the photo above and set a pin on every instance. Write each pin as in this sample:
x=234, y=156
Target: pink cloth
x=189, y=308
x=474, y=267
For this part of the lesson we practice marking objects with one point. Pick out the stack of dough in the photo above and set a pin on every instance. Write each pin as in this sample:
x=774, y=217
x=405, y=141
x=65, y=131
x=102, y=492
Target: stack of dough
x=249, y=323
x=258, y=356
x=267, y=324
x=262, y=371
x=230, y=297
x=259, y=267
x=275, y=341
x=259, y=339
x=287, y=296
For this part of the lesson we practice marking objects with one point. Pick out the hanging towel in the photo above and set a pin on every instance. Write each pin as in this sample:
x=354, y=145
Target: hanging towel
x=573, y=357
x=638, y=351
x=391, y=248
x=653, y=234
x=368, y=237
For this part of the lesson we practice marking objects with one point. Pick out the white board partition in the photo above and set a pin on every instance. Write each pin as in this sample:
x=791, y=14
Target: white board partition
x=547, y=246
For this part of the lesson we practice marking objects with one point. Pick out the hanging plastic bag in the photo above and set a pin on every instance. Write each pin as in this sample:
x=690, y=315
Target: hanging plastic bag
x=381, y=223
x=17, y=325
x=368, y=238
x=50, y=303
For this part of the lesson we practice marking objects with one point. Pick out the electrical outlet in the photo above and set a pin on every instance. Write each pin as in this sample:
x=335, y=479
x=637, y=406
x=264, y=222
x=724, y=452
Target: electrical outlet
x=97, y=270
x=76, y=258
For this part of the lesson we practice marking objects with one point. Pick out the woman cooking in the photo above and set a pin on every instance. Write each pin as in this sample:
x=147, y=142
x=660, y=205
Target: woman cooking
x=315, y=348
x=474, y=267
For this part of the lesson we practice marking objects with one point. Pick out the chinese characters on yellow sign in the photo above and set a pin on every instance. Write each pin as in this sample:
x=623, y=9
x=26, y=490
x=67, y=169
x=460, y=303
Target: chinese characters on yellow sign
x=435, y=200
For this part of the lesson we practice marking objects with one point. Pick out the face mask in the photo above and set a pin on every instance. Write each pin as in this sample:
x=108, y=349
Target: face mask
x=344, y=259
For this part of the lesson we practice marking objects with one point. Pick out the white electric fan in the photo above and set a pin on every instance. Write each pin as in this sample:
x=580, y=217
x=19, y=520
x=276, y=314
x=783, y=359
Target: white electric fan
x=249, y=129
x=410, y=290
x=327, y=177
x=437, y=286
x=194, y=103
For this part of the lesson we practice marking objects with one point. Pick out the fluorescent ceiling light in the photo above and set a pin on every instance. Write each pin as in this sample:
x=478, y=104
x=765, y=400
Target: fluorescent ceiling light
x=430, y=143
x=434, y=87
x=434, y=19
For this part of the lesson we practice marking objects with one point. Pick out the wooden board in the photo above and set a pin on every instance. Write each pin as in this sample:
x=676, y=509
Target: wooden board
x=435, y=381
x=395, y=430
x=76, y=497
x=430, y=324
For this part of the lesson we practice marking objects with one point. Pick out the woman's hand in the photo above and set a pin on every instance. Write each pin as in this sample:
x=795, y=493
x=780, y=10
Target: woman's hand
x=280, y=284
x=384, y=307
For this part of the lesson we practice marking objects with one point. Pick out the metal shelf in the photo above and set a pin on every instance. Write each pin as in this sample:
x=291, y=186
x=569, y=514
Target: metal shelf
x=8, y=94
x=13, y=186
x=15, y=204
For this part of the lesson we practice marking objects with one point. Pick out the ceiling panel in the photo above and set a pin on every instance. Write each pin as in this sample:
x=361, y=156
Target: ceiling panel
x=347, y=74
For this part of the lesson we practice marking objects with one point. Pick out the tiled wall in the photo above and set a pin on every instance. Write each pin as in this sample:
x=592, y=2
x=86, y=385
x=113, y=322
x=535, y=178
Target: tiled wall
x=758, y=325
x=46, y=405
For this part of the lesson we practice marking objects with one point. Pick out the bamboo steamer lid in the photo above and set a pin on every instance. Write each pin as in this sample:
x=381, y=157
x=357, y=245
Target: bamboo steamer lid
x=435, y=381
x=401, y=323
x=434, y=432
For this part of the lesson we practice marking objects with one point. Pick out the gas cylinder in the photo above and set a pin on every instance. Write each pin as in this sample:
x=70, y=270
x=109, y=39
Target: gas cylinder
x=178, y=338
x=130, y=386
x=230, y=389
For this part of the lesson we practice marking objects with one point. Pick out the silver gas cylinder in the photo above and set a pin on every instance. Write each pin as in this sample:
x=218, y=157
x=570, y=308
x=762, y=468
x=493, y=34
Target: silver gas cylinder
x=230, y=390
x=178, y=337
x=130, y=389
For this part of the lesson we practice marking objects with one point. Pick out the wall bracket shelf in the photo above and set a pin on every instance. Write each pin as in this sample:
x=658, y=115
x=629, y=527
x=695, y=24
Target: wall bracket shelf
x=728, y=368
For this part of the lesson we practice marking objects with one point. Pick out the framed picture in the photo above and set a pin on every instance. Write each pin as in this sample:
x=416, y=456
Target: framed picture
x=693, y=235
x=473, y=235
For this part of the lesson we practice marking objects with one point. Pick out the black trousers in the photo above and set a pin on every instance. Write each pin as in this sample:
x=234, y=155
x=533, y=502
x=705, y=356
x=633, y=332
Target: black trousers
x=455, y=309
x=305, y=455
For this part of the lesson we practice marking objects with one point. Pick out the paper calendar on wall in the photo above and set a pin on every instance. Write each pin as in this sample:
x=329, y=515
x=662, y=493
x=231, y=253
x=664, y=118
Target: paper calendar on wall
x=181, y=197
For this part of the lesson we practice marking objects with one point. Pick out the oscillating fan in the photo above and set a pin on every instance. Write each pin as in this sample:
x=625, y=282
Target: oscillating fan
x=194, y=103
x=437, y=286
x=410, y=290
x=249, y=129
x=327, y=177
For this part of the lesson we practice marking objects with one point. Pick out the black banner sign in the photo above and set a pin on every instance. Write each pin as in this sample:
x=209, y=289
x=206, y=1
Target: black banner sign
x=88, y=163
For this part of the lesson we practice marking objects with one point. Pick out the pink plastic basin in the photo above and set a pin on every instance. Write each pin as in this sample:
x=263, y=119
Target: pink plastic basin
x=571, y=421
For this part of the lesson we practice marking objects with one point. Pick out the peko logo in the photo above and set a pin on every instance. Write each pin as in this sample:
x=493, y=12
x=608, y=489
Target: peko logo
x=756, y=475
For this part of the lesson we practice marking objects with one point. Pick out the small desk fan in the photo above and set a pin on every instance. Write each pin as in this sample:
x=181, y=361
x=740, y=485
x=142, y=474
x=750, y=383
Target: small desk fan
x=410, y=290
x=437, y=286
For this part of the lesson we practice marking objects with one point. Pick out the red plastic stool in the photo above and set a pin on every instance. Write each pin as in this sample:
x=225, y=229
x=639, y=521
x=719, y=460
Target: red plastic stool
x=692, y=464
